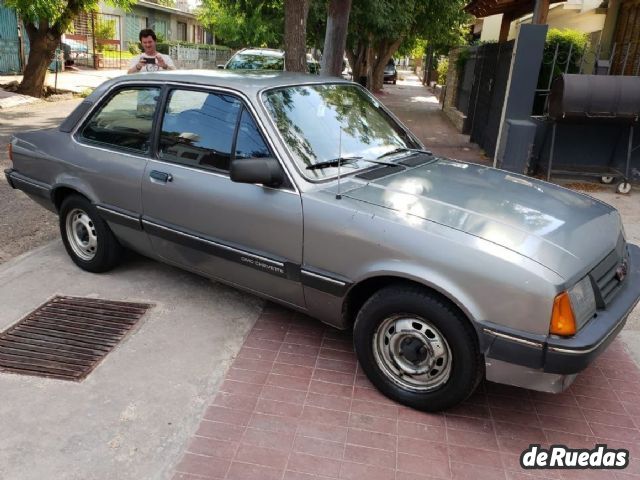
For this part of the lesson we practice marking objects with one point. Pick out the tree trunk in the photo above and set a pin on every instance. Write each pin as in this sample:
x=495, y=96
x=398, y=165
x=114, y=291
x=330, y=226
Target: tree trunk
x=42, y=47
x=358, y=61
x=335, y=38
x=385, y=51
x=295, y=35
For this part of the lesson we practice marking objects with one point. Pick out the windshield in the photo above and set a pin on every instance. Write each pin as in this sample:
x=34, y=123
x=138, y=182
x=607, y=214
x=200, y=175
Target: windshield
x=321, y=123
x=246, y=61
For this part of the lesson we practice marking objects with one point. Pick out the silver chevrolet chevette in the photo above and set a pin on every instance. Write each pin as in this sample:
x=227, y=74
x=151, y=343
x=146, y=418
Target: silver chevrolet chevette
x=309, y=192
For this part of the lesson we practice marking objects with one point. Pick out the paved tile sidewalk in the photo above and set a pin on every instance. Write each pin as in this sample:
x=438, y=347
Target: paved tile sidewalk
x=295, y=406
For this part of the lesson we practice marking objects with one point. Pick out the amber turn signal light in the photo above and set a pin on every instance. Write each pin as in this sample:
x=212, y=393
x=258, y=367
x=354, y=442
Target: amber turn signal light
x=10, y=151
x=562, y=320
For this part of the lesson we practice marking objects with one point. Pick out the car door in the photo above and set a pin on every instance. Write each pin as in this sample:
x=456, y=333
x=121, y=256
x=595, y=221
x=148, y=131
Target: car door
x=196, y=217
x=110, y=154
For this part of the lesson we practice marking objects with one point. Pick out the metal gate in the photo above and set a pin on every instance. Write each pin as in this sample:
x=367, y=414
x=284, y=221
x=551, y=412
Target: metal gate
x=95, y=42
x=9, y=41
x=488, y=94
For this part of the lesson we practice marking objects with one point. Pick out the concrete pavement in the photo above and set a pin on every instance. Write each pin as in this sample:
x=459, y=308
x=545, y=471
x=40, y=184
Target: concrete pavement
x=130, y=418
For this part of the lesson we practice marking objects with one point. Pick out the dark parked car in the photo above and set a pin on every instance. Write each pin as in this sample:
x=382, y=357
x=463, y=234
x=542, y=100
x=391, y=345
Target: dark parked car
x=390, y=72
x=309, y=192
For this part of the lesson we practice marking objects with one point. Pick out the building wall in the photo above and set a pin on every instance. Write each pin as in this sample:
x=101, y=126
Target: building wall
x=584, y=16
x=491, y=28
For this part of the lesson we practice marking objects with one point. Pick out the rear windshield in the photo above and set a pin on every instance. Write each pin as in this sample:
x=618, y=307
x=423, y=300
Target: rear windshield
x=245, y=61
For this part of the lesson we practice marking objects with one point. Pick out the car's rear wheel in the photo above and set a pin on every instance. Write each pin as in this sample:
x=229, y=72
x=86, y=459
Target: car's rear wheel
x=86, y=237
x=417, y=349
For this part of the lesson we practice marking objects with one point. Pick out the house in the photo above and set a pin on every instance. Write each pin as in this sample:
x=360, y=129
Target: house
x=586, y=16
x=174, y=24
x=104, y=38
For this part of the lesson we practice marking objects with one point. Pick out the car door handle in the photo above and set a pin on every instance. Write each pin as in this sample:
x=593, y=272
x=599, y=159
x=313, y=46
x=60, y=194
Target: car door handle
x=161, y=177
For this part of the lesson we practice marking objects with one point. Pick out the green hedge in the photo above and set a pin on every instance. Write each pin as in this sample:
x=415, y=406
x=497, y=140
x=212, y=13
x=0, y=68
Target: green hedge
x=567, y=42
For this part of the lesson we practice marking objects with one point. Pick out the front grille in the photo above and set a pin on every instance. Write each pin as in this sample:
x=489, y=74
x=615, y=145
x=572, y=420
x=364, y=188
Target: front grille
x=605, y=281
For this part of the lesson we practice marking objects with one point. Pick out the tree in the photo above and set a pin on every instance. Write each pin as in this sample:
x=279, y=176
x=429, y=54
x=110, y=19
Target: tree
x=335, y=39
x=244, y=23
x=295, y=34
x=377, y=29
x=45, y=21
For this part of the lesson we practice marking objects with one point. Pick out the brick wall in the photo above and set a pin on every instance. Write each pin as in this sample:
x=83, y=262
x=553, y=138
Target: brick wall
x=451, y=92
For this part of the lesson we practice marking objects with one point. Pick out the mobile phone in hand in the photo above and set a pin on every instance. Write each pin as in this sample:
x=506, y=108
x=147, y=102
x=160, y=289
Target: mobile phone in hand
x=150, y=61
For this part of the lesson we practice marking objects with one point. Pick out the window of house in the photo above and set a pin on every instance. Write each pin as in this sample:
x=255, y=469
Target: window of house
x=125, y=121
x=182, y=31
x=198, y=129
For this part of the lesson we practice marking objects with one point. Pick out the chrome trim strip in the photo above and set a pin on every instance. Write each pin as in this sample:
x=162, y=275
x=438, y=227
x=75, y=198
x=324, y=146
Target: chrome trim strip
x=28, y=182
x=322, y=277
x=573, y=351
x=514, y=339
x=115, y=212
x=214, y=244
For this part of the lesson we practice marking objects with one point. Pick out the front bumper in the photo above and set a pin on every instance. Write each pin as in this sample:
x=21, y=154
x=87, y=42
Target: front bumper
x=567, y=356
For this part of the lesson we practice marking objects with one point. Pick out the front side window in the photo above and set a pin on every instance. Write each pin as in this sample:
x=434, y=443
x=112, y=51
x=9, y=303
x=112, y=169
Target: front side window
x=320, y=123
x=198, y=129
x=125, y=121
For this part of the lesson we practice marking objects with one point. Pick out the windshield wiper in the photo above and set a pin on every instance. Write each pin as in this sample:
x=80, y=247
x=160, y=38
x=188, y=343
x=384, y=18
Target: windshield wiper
x=404, y=149
x=338, y=162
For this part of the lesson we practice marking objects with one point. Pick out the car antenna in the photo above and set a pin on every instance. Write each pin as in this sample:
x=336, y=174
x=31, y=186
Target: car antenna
x=338, y=195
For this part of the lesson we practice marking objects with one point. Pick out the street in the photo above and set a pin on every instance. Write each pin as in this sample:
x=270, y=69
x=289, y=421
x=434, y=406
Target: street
x=23, y=224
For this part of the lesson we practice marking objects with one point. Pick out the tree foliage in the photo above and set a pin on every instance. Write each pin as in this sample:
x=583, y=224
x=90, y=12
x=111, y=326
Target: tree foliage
x=45, y=21
x=244, y=23
x=378, y=29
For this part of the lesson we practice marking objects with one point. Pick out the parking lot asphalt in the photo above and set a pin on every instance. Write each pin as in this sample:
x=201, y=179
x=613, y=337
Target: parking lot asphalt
x=210, y=384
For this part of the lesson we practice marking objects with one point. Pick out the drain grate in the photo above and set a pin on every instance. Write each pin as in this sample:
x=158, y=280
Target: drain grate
x=67, y=337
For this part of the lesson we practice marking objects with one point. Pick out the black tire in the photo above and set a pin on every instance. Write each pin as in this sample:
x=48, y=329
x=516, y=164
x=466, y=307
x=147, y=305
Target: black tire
x=107, y=251
x=466, y=362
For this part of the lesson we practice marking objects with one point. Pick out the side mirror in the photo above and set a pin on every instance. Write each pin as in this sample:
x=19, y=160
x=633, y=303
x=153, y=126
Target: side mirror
x=266, y=171
x=220, y=67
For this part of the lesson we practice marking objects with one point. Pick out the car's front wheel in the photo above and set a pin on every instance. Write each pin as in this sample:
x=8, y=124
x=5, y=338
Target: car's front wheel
x=86, y=237
x=417, y=349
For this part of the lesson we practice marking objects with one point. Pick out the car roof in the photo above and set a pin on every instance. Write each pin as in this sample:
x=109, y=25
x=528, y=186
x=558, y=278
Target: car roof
x=267, y=52
x=249, y=82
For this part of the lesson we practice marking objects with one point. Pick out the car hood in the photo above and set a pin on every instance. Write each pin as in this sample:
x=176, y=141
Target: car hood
x=565, y=231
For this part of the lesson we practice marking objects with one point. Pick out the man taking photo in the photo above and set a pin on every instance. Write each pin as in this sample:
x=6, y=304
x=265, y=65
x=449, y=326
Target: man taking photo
x=150, y=60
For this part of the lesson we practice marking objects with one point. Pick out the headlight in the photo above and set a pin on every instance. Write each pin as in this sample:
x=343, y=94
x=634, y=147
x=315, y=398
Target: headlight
x=583, y=301
x=573, y=308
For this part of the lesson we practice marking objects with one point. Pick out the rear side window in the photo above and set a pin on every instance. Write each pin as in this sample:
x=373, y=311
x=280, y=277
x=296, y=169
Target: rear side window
x=198, y=129
x=125, y=121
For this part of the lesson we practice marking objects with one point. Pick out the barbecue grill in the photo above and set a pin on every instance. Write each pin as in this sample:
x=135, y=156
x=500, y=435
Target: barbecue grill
x=595, y=98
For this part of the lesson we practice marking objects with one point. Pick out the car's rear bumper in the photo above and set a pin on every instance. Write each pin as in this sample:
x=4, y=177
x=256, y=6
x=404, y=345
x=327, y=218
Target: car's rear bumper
x=27, y=185
x=565, y=356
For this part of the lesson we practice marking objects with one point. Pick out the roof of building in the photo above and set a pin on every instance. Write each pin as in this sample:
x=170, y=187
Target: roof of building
x=486, y=8
x=163, y=8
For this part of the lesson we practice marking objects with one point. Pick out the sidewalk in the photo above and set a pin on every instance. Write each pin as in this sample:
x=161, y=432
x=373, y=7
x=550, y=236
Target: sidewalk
x=420, y=110
x=72, y=81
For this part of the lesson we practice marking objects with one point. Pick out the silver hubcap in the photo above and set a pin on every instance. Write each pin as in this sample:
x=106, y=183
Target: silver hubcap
x=81, y=233
x=412, y=352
